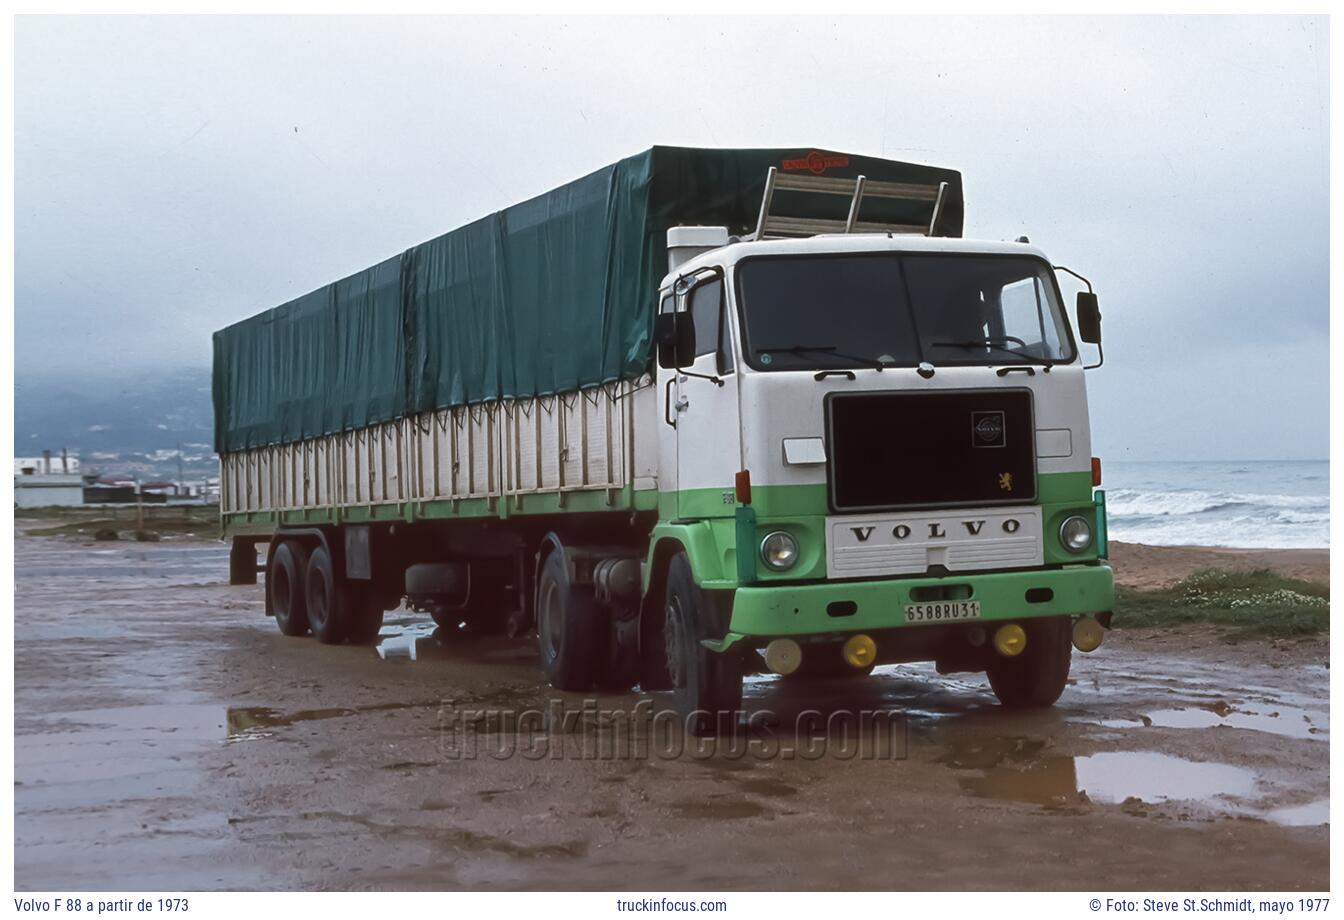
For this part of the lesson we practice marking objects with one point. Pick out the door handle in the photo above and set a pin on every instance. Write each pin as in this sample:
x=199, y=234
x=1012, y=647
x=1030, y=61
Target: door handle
x=667, y=402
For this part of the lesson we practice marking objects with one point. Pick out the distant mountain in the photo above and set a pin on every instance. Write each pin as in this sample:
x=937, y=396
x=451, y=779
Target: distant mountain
x=131, y=423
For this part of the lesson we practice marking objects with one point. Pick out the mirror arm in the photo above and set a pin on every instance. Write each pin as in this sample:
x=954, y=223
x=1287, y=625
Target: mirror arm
x=1101, y=359
x=712, y=378
x=1061, y=268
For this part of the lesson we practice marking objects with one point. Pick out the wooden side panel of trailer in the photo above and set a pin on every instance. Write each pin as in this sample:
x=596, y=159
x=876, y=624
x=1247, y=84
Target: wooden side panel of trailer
x=490, y=459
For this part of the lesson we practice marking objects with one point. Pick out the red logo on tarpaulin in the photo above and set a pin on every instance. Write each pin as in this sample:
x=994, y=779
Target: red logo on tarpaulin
x=816, y=162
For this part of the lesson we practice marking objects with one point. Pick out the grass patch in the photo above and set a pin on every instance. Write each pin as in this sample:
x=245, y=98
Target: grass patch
x=197, y=520
x=1258, y=603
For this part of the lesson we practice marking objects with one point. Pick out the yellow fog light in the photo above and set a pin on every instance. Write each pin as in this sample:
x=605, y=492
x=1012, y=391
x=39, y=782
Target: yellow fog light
x=783, y=656
x=859, y=651
x=1087, y=634
x=1010, y=640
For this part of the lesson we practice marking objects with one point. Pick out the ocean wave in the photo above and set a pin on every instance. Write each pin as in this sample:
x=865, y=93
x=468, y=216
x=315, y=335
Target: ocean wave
x=1122, y=502
x=1260, y=528
x=1242, y=504
x=1193, y=532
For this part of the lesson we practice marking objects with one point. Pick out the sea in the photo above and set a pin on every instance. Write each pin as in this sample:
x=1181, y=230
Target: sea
x=1259, y=504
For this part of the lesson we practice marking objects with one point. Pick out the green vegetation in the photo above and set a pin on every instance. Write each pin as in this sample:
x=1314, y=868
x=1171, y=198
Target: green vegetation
x=188, y=520
x=1259, y=603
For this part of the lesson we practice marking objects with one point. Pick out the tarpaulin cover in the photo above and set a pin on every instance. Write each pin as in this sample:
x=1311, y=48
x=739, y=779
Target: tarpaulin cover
x=550, y=295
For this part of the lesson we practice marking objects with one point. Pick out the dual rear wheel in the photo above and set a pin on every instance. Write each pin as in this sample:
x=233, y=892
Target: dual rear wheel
x=307, y=595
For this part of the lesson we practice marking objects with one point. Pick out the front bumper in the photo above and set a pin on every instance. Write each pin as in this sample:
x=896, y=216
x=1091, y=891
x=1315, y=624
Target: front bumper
x=800, y=610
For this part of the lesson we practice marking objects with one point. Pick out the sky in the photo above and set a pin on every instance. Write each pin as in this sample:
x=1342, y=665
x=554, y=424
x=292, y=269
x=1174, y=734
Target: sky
x=174, y=175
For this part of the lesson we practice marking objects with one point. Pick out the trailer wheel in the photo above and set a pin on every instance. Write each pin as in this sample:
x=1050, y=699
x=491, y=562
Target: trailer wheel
x=569, y=627
x=1038, y=675
x=327, y=606
x=706, y=685
x=285, y=584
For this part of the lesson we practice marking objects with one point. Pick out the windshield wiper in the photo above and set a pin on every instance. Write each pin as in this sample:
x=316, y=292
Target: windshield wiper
x=990, y=343
x=822, y=349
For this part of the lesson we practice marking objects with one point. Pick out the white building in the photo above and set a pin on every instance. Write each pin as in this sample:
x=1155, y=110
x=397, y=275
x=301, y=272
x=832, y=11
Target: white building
x=46, y=481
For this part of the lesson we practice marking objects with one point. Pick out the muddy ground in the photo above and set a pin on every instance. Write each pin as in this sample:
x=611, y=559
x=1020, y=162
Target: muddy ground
x=168, y=737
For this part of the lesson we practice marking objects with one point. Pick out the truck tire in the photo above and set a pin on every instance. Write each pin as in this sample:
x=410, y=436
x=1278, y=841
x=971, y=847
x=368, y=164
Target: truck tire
x=328, y=602
x=285, y=584
x=1037, y=676
x=570, y=629
x=706, y=685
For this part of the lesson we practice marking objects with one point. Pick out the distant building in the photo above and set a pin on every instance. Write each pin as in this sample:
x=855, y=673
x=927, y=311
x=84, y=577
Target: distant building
x=103, y=494
x=46, y=464
x=47, y=481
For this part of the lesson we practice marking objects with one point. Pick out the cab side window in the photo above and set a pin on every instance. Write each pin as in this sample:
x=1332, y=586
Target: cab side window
x=1023, y=316
x=712, y=333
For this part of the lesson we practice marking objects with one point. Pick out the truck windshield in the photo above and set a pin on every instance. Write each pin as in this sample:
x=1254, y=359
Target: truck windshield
x=862, y=310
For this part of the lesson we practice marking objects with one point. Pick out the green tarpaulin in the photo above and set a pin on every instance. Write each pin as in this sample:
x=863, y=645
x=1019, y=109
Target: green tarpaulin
x=555, y=293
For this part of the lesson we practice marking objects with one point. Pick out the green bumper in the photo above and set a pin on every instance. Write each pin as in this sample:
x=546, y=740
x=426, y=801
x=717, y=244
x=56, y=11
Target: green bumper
x=800, y=610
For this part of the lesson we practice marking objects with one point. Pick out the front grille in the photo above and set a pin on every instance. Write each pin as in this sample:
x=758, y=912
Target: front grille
x=938, y=448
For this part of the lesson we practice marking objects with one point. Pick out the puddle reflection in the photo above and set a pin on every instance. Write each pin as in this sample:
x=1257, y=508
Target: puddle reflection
x=1023, y=770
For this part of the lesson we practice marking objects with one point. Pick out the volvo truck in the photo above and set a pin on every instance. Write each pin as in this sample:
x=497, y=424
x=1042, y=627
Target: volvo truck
x=696, y=415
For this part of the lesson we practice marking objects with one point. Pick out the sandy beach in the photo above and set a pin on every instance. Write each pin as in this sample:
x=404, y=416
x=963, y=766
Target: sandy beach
x=1146, y=567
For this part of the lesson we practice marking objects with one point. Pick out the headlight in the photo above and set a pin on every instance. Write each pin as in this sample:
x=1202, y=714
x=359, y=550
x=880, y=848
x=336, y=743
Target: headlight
x=779, y=550
x=1076, y=534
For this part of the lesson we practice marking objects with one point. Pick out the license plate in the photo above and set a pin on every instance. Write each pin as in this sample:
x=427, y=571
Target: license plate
x=942, y=611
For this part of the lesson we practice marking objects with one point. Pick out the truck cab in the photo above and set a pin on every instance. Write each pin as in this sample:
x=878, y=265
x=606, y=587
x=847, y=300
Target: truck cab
x=875, y=448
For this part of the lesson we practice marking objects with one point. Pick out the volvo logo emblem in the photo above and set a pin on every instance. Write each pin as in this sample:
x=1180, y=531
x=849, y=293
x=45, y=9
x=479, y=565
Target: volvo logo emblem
x=936, y=531
x=987, y=429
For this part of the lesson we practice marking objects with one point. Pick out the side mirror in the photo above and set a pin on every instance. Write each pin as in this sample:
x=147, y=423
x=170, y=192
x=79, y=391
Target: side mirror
x=1089, y=318
x=674, y=334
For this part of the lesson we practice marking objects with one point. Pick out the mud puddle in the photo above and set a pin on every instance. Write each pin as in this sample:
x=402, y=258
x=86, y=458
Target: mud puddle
x=1020, y=769
x=250, y=723
x=1284, y=720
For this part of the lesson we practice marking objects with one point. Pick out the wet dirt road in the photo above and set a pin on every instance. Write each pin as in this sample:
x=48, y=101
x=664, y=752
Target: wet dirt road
x=168, y=737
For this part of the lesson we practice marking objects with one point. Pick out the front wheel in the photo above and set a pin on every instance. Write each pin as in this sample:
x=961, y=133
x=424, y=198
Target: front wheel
x=706, y=685
x=1037, y=676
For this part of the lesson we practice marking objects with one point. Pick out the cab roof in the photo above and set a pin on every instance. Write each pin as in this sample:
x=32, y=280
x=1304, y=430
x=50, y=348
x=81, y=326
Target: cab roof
x=732, y=253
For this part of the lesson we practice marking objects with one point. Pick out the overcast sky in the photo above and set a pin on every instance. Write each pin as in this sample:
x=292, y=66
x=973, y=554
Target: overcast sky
x=175, y=175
